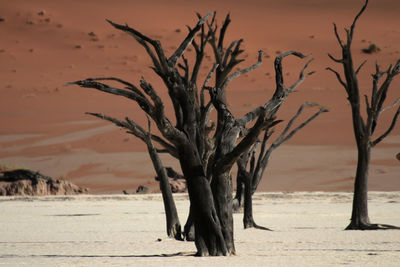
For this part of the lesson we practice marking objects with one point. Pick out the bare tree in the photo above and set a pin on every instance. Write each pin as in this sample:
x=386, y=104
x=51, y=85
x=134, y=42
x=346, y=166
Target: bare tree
x=206, y=151
x=250, y=178
x=364, y=129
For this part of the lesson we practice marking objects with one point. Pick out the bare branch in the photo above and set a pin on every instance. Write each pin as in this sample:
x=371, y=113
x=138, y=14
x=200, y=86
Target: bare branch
x=337, y=35
x=143, y=40
x=188, y=40
x=361, y=65
x=397, y=101
x=223, y=31
x=243, y=71
x=136, y=128
x=281, y=92
x=381, y=93
x=129, y=85
x=229, y=51
x=302, y=76
x=391, y=127
x=90, y=83
x=338, y=77
x=278, y=69
x=282, y=138
x=367, y=104
x=204, y=87
x=251, y=115
x=149, y=90
x=335, y=59
x=213, y=42
x=133, y=128
x=356, y=18
x=138, y=131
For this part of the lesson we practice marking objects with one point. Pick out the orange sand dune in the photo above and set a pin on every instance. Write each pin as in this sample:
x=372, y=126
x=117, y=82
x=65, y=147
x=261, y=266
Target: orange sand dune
x=46, y=44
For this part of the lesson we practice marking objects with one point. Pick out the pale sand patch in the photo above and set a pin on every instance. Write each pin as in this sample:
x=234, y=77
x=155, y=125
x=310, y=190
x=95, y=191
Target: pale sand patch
x=5, y=138
x=118, y=230
x=66, y=138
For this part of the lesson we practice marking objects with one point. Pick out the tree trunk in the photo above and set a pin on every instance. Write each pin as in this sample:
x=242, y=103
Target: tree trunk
x=238, y=199
x=173, y=224
x=172, y=219
x=209, y=239
x=189, y=226
x=248, y=220
x=359, y=217
x=222, y=191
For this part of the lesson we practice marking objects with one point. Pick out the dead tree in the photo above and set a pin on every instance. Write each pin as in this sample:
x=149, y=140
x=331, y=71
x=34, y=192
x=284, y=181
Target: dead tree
x=258, y=163
x=364, y=129
x=206, y=152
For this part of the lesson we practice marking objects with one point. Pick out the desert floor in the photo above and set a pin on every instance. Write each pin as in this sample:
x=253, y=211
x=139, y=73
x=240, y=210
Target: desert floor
x=47, y=43
x=120, y=230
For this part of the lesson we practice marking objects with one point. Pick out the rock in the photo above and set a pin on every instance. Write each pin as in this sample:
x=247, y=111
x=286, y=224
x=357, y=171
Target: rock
x=28, y=183
x=177, y=185
x=398, y=156
x=142, y=189
x=176, y=181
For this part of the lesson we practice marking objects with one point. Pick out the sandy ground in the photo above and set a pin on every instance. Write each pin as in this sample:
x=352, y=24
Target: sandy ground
x=123, y=230
x=48, y=43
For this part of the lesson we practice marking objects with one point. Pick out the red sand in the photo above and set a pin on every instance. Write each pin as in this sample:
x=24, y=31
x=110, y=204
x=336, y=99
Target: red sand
x=47, y=43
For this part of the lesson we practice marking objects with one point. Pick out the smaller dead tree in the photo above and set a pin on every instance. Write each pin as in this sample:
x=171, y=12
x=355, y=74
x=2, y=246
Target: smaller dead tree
x=364, y=129
x=251, y=178
x=172, y=219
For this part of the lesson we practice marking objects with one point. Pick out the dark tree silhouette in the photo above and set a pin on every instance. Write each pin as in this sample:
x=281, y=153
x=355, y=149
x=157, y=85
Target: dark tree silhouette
x=206, y=152
x=364, y=129
x=250, y=179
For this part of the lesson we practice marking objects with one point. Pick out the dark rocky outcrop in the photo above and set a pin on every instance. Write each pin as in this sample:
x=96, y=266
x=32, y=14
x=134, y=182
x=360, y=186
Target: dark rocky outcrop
x=22, y=182
x=177, y=185
x=142, y=189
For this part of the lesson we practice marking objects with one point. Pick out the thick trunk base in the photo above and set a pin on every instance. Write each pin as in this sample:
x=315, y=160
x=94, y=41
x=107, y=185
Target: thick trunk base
x=209, y=239
x=189, y=234
x=371, y=226
x=175, y=231
x=252, y=224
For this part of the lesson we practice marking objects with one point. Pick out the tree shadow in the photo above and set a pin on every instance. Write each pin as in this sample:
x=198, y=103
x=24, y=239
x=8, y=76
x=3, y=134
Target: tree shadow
x=166, y=255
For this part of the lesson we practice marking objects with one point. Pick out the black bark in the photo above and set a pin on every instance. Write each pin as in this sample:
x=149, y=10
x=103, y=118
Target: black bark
x=172, y=220
x=364, y=130
x=188, y=230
